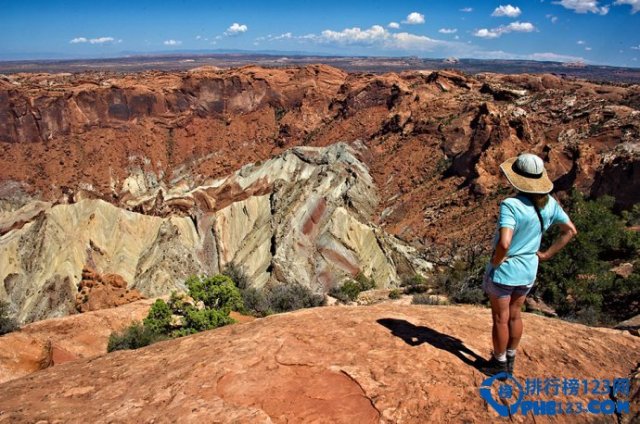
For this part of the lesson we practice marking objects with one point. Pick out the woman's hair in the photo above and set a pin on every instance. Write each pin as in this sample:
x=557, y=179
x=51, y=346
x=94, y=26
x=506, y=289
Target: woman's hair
x=540, y=200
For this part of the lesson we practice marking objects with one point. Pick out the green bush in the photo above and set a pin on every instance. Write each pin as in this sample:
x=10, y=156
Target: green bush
x=201, y=320
x=158, y=319
x=207, y=306
x=217, y=292
x=395, y=294
x=7, y=324
x=133, y=337
x=350, y=289
x=415, y=284
x=578, y=281
x=290, y=297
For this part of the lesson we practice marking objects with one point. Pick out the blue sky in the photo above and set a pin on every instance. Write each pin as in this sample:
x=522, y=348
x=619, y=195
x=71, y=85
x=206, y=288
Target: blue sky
x=598, y=32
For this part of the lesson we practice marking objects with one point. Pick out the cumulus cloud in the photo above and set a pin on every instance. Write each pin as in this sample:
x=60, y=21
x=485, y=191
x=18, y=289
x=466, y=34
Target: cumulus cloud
x=414, y=18
x=236, y=29
x=635, y=47
x=467, y=9
x=98, y=40
x=585, y=6
x=393, y=25
x=448, y=30
x=552, y=18
x=635, y=4
x=508, y=11
x=379, y=37
x=172, y=42
x=505, y=29
x=580, y=42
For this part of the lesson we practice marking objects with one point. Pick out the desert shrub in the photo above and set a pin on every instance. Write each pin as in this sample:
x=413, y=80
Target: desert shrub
x=207, y=306
x=415, y=284
x=196, y=320
x=7, y=324
x=237, y=275
x=350, y=289
x=427, y=299
x=255, y=302
x=158, y=319
x=292, y=296
x=462, y=281
x=395, y=294
x=217, y=292
x=578, y=281
x=133, y=337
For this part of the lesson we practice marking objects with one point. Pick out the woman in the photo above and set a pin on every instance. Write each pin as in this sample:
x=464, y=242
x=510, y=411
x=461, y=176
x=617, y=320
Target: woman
x=512, y=270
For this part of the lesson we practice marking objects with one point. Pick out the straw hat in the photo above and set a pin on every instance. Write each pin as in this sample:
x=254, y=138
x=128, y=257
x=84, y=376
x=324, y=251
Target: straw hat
x=527, y=174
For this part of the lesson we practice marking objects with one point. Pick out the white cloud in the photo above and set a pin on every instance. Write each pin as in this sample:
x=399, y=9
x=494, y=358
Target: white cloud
x=584, y=6
x=448, y=30
x=467, y=9
x=98, y=40
x=172, y=42
x=285, y=36
x=486, y=33
x=393, y=25
x=198, y=37
x=414, y=18
x=101, y=40
x=580, y=42
x=635, y=47
x=379, y=37
x=552, y=18
x=505, y=29
x=554, y=57
x=356, y=35
x=508, y=11
x=635, y=4
x=588, y=49
x=236, y=29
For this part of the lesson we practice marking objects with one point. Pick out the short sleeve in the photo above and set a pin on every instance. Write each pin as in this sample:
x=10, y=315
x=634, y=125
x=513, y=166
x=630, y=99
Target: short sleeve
x=507, y=217
x=559, y=215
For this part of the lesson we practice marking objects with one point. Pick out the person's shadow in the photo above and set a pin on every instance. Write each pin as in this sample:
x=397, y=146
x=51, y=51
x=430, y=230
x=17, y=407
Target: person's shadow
x=415, y=336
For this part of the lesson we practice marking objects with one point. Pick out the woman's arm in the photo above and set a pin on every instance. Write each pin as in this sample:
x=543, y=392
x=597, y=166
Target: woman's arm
x=567, y=232
x=499, y=255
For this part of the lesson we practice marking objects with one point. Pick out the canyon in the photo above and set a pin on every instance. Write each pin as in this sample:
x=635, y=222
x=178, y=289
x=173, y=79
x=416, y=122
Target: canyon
x=303, y=174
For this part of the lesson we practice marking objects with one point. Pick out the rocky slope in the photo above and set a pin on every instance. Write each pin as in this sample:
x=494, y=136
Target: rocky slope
x=301, y=217
x=51, y=342
x=384, y=363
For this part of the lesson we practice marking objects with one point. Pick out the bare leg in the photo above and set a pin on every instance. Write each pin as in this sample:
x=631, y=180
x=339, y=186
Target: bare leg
x=515, y=321
x=500, y=333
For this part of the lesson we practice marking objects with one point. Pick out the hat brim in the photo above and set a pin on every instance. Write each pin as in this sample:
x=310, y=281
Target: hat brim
x=541, y=185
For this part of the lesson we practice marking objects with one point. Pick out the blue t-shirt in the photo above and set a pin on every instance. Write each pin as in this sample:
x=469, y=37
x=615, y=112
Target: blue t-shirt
x=521, y=264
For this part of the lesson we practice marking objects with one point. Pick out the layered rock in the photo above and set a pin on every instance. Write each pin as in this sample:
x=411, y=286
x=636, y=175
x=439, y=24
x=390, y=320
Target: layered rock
x=435, y=138
x=302, y=217
x=378, y=364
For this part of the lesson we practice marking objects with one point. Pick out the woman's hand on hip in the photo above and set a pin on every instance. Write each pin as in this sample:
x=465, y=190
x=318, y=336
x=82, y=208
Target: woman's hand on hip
x=543, y=256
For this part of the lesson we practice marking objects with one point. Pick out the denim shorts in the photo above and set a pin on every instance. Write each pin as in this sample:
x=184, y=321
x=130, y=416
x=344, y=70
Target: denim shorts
x=502, y=290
